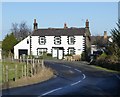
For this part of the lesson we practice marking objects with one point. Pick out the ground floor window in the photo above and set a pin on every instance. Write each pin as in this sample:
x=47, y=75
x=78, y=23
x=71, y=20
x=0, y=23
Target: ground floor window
x=71, y=50
x=41, y=51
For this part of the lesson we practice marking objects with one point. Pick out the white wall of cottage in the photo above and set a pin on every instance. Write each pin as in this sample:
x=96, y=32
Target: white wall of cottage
x=79, y=40
x=50, y=43
x=21, y=45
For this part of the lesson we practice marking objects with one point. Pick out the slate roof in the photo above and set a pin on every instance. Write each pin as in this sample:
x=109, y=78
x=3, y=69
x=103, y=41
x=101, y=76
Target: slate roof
x=59, y=32
x=94, y=38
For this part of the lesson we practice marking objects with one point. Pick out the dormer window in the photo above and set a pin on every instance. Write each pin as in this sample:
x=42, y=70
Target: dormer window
x=71, y=39
x=41, y=40
x=57, y=40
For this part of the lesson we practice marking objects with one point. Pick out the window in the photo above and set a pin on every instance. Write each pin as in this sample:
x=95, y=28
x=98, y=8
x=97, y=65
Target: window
x=71, y=40
x=27, y=41
x=57, y=40
x=42, y=40
x=41, y=51
x=71, y=51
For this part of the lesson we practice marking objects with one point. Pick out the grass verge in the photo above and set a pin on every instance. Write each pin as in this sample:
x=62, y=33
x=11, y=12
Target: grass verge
x=44, y=75
x=105, y=69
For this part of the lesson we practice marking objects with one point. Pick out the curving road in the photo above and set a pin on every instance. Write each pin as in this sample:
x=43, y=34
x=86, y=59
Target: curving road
x=73, y=79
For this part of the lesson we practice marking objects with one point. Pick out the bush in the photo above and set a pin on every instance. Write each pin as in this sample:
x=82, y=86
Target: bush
x=48, y=54
x=103, y=56
x=109, y=65
x=68, y=55
x=83, y=56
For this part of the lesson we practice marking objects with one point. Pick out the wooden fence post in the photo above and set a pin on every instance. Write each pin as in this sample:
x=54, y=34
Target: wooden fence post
x=3, y=73
x=33, y=66
x=42, y=63
x=27, y=67
x=22, y=70
x=31, y=61
x=7, y=73
x=38, y=61
x=31, y=70
x=25, y=70
x=15, y=71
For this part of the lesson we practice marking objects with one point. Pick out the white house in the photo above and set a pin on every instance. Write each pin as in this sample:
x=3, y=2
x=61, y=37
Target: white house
x=55, y=41
x=100, y=42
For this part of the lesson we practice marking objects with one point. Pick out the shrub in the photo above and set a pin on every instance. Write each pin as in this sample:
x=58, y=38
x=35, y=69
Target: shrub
x=68, y=55
x=83, y=56
x=103, y=56
x=48, y=54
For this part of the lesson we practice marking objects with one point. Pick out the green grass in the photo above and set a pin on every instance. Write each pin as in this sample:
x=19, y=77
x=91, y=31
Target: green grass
x=0, y=72
x=46, y=57
x=105, y=69
x=11, y=68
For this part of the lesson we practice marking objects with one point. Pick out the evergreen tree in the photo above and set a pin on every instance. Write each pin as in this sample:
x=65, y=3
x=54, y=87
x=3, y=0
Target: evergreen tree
x=115, y=46
x=116, y=34
x=8, y=44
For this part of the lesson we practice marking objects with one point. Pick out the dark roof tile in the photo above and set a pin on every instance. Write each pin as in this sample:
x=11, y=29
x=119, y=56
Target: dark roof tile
x=59, y=32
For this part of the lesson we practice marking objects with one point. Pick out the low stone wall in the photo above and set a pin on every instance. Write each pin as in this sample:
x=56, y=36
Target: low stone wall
x=72, y=58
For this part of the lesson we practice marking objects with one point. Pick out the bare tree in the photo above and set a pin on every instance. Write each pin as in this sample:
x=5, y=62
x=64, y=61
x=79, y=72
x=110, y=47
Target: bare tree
x=21, y=30
x=15, y=30
x=99, y=41
x=24, y=30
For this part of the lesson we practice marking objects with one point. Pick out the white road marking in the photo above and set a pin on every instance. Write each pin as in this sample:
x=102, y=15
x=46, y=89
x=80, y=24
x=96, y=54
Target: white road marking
x=117, y=76
x=79, y=80
x=84, y=76
x=77, y=70
x=70, y=84
x=51, y=91
x=75, y=83
x=66, y=66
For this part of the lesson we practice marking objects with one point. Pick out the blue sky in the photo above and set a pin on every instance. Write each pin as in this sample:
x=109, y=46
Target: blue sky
x=102, y=16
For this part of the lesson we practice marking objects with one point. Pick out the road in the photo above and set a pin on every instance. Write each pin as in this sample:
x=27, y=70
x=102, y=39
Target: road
x=73, y=79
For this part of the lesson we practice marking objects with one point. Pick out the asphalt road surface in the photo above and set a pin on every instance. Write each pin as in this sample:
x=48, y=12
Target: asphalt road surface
x=75, y=79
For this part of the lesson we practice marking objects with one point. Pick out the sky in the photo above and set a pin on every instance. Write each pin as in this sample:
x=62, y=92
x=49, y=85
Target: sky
x=102, y=16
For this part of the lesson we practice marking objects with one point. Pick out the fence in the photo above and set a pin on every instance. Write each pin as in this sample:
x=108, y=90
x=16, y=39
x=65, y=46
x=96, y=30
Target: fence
x=25, y=68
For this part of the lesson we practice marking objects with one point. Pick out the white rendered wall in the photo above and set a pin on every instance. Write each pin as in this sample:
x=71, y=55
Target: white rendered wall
x=50, y=43
x=93, y=48
x=22, y=45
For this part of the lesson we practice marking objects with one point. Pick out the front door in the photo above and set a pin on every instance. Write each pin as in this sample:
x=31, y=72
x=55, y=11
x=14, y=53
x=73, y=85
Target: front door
x=60, y=54
x=54, y=52
x=57, y=52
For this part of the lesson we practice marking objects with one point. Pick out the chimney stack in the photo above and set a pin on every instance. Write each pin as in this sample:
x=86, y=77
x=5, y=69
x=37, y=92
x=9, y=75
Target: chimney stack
x=87, y=23
x=105, y=34
x=35, y=25
x=65, y=26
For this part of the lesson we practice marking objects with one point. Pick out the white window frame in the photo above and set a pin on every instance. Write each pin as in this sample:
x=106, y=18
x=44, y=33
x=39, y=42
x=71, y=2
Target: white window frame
x=42, y=40
x=71, y=40
x=71, y=49
x=41, y=51
x=57, y=40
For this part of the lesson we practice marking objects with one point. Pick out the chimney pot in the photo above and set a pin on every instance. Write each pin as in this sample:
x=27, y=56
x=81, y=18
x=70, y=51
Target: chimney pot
x=65, y=25
x=87, y=23
x=105, y=34
x=35, y=25
x=34, y=20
